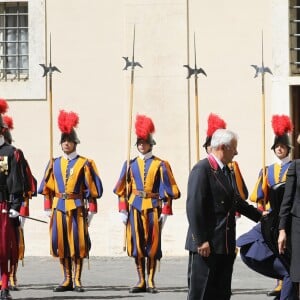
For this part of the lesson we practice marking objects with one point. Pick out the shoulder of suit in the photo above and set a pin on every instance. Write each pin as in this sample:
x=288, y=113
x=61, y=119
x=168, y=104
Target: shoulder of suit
x=203, y=163
x=8, y=147
x=212, y=162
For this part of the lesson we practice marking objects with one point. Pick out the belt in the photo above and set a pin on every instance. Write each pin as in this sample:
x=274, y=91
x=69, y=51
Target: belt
x=68, y=196
x=144, y=194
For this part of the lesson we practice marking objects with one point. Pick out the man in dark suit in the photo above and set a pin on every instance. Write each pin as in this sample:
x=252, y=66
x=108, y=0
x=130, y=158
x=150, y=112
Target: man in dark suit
x=212, y=201
x=289, y=224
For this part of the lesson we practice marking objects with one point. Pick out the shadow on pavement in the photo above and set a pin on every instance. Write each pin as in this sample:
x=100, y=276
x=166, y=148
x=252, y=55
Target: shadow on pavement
x=80, y=297
x=90, y=288
x=249, y=292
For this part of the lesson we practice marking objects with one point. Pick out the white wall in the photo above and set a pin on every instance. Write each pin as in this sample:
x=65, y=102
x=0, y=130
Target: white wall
x=89, y=39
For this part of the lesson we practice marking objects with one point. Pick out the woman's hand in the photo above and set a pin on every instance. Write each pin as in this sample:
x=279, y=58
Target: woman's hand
x=282, y=241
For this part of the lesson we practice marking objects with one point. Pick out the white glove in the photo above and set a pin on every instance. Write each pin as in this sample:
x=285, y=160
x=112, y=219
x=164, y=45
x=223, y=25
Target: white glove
x=13, y=213
x=89, y=217
x=48, y=213
x=124, y=216
x=162, y=220
x=22, y=221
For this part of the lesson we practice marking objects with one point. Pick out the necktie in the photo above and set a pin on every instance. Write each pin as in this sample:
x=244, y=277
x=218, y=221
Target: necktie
x=226, y=172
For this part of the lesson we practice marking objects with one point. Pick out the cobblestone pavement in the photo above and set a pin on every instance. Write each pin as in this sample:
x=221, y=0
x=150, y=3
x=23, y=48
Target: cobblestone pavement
x=111, y=278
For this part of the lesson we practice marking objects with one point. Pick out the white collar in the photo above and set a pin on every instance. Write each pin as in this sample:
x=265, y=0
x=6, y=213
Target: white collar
x=70, y=156
x=284, y=160
x=145, y=156
x=221, y=165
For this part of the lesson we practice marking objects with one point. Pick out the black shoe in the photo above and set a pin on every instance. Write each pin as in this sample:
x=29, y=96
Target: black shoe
x=274, y=293
x=5, y=295
x=13, y=288
x=152, y=290
x=138, y=289
x=62, y=288
x=79, y=289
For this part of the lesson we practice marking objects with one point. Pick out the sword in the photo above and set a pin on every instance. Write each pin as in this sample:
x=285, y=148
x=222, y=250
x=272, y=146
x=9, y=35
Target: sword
x=34, y=219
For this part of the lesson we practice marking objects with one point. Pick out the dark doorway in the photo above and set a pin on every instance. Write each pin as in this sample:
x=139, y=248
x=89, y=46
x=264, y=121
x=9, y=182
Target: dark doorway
x=295, y=114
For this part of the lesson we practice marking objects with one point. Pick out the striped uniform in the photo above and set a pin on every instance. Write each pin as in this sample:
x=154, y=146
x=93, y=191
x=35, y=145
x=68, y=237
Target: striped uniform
x=275, y=174
x=239, y=180
x=66, y=185
x=151, y=187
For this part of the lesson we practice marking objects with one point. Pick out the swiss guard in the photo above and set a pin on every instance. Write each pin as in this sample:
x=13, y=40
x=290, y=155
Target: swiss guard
x=71, y=186
x=145, y=190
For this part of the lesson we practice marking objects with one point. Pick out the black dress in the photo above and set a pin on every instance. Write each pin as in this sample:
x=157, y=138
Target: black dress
x=290, y=216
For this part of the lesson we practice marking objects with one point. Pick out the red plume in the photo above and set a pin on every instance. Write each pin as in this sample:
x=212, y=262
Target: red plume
x=214, y=122
x=282, y=124
x=143, y=126
x=67, y=121
x=3, y=106
x=9, y=122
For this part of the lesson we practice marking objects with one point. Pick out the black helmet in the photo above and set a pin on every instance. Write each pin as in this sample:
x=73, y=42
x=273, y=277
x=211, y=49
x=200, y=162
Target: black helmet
x=282, y=125
x=282, y=139
x=67, y=121
x=72, y=137
x=214, y=122
x=149, y=140
x=207, y=142
x=144, y=128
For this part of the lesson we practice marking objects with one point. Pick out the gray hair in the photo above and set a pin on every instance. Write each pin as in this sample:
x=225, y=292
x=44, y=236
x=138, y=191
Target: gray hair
x=222, y=137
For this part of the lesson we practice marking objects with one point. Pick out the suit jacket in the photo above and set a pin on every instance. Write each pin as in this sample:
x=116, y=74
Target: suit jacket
x=291, y=199
x=211, y=206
